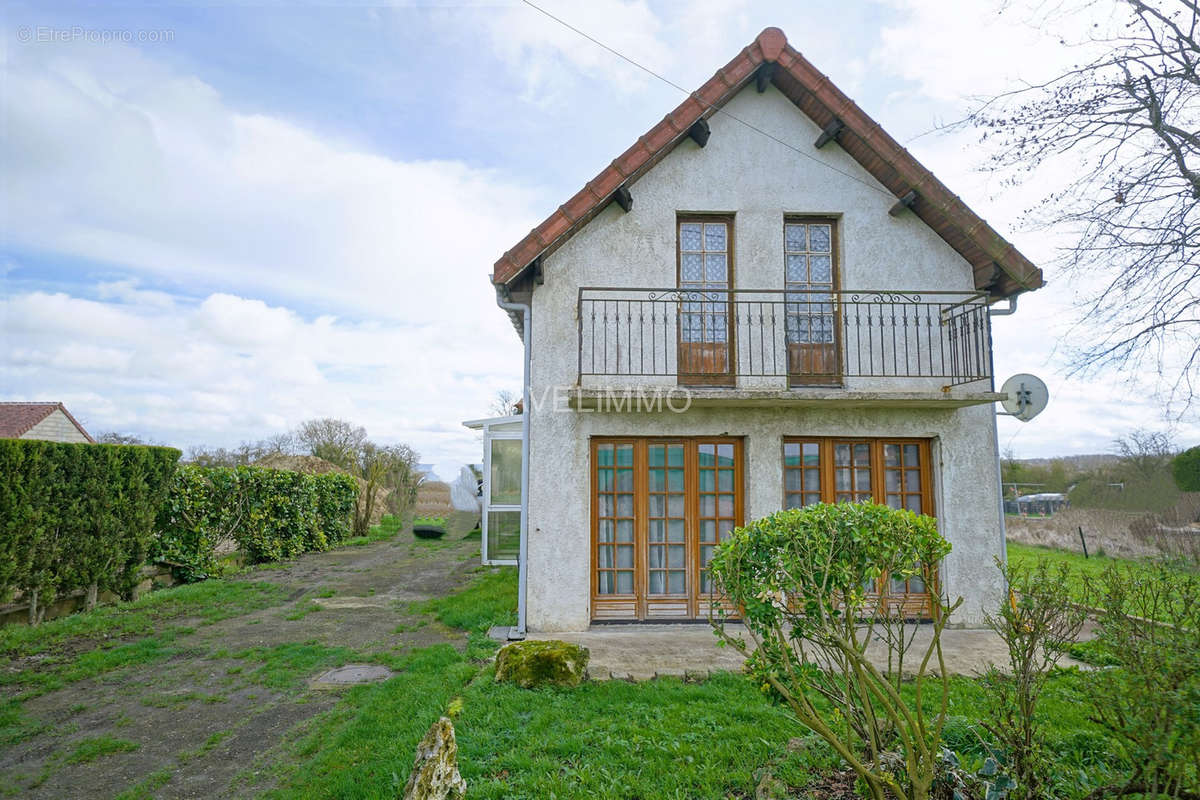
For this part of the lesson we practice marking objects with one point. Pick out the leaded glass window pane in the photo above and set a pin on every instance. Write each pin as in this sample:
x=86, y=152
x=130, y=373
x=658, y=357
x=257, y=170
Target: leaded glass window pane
x=714, y=236
x=819, y=238
x=796, y=237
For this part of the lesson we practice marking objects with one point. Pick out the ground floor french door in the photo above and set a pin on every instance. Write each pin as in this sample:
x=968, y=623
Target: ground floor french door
x=891, y=472
x=660, y=506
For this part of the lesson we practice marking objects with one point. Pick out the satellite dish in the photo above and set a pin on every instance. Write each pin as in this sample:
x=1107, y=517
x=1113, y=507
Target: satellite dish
x=1026, y=397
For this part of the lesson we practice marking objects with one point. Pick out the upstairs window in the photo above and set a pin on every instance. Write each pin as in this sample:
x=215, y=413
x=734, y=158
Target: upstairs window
x=704, y=271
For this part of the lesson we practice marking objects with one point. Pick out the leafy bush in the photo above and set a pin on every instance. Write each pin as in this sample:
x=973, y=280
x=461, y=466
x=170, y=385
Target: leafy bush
x=337, y=496
x=77, y=516
x=1185, y=468
x=269, y=514
x=798, y=581
x=281, y=514
x=203, y=509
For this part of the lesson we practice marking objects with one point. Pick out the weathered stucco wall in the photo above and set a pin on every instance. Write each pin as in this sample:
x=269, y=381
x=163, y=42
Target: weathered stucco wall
x=760, y=181
x=964, y=469
x=55, y=428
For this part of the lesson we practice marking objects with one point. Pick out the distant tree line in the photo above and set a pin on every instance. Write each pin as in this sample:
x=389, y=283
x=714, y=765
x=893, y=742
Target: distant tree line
x=1146, y=473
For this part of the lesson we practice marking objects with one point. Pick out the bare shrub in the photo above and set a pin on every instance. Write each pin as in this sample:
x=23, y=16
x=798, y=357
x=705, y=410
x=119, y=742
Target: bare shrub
x=1150, y=619
x=1037, y=626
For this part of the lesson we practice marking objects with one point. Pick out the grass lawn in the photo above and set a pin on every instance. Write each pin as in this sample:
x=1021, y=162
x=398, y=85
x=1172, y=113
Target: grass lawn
x=142, y=632
x=1091, y=567
x=665, y=738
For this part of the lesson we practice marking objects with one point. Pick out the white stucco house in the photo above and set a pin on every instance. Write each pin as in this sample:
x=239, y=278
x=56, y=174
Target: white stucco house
x=764, y=302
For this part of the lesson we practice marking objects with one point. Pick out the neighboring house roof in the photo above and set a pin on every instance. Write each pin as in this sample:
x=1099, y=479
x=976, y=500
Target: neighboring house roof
x=997, y=265
x=17, y=419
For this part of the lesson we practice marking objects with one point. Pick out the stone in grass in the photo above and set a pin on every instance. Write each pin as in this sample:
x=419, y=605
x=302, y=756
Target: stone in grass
x=531, y=664
x=435, y=769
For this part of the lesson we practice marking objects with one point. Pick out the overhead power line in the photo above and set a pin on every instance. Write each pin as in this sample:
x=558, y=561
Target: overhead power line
x=717, y=110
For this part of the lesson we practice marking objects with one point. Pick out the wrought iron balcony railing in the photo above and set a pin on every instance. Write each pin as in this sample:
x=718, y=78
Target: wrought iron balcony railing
x=716, y=337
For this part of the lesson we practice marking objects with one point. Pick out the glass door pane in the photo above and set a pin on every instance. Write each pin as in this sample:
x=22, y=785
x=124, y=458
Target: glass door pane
x=852, y=472
x=502, y=514
x=615, y=519
x=503, y=535
x=810, y=311
x=666, y=537
x=801, y=474
x=902, y=481
x=716, y=481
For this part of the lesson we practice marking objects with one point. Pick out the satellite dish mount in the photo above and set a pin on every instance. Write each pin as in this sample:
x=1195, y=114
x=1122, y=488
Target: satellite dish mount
x=1027, y=396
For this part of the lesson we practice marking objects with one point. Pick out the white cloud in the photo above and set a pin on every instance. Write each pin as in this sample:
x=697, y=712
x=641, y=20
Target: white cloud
x=230, y=368
x=113, y=157
x=539, y=49
x=333, y=281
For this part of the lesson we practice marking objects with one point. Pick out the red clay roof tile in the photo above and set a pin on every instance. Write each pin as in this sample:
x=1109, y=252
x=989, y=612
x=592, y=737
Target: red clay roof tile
x=771, y=43
x=607, y=182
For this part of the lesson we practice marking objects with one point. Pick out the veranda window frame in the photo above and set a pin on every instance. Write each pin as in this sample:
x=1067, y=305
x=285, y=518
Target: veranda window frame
x=490, y=436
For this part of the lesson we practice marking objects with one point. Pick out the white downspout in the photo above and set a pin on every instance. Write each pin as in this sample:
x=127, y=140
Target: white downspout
x=522, y=559
x=1001, y=312
x=1004, y=312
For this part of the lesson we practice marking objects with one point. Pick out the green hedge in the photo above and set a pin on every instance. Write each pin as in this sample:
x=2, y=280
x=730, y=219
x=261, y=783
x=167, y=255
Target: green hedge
x=270, y=514
x=77, y=516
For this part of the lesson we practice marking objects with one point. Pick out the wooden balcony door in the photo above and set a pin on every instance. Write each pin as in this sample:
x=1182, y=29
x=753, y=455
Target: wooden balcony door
x=659, y=509
x=811, y=312
x=706, y=324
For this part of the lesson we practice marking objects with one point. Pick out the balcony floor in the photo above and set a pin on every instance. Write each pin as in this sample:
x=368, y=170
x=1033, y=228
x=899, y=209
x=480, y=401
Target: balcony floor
x=609, y=398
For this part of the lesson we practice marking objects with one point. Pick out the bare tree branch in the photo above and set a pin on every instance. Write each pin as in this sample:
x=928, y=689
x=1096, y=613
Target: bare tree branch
x=1129, y=118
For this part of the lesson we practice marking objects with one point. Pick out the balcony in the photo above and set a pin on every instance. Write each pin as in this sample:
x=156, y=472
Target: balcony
x=932, y=344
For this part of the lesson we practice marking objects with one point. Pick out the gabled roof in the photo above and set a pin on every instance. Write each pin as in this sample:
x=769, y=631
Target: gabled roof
x=998, y=266
x=17, y=419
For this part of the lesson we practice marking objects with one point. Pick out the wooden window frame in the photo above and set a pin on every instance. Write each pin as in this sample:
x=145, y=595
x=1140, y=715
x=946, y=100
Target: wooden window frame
x=640, y=605
x=729, y=377
x=836, y=286
x=916, y=605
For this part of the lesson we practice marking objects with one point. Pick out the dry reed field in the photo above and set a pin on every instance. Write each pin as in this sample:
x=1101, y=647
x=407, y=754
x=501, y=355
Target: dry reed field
x=1122, y=534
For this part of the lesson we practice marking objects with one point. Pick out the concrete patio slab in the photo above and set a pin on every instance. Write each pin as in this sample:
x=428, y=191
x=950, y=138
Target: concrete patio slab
x=645, y=651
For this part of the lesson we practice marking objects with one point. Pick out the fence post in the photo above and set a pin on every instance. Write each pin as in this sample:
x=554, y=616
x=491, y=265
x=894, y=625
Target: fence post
x=1084, y=541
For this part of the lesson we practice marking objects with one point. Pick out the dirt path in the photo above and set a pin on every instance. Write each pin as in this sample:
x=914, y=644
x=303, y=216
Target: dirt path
x=206, y=721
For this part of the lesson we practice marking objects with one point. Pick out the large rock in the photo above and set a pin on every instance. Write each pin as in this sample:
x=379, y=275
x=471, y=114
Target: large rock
x=530, y=664
x=435, y=769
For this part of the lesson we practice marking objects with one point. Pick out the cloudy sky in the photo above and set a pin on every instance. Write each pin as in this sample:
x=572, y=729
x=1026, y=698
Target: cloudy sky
x=222, y=220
